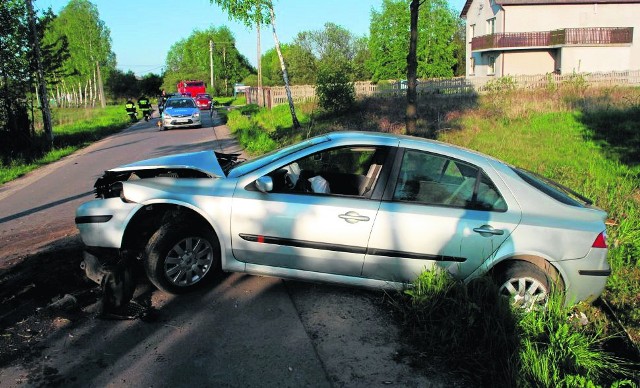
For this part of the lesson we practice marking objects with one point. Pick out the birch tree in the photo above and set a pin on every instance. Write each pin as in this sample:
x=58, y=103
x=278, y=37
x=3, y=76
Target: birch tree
x=89, y=43
x=252, y=12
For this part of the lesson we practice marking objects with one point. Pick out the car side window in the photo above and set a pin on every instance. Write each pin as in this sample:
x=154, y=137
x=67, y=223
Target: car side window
x=349, y=171
x=437, y=180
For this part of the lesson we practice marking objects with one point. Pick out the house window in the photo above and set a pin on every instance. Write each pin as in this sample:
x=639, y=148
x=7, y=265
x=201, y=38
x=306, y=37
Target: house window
x=491, y=68
x=491, y=26
x=472, y=31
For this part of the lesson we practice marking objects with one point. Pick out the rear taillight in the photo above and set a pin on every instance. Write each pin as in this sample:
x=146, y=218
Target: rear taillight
x=601, y=241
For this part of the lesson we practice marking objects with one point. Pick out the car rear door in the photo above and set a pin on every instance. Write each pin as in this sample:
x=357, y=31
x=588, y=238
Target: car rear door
x=438, y=211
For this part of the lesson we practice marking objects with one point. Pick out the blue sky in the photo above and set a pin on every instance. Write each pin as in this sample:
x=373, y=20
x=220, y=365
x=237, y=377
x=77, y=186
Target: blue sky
x=143, y=31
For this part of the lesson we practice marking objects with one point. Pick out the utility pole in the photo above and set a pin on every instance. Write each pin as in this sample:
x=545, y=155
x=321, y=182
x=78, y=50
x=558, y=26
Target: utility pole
x=224, y=60
x=42, y=85
x=224, y=67
x=211, y=66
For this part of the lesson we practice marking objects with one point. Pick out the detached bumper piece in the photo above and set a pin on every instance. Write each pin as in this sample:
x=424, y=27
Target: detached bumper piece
x=118, y=285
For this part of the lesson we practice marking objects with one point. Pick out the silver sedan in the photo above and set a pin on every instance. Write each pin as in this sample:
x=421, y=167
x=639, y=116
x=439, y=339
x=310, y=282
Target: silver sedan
x=356, y=208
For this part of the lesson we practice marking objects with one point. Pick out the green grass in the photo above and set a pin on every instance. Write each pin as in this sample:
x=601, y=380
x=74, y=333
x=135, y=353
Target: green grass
x=260, y=131
x=231, y=101
x=73, y=128
x=481, y=339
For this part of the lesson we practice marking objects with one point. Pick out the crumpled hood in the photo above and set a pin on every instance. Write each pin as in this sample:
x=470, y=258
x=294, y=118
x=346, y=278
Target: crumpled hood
x=204, y=161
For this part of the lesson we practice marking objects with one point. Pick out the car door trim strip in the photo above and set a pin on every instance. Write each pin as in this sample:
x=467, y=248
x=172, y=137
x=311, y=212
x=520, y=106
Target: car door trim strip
x=413, y=255
x=302, y=243
x=345, y=248
x=595, y=272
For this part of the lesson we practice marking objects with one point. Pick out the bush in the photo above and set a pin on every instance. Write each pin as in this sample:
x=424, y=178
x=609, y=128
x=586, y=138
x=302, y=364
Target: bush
x=250, y=109
x=502, y=85
x=334, y=89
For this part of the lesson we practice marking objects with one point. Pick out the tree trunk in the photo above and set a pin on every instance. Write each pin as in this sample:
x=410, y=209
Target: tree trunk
x=412, y=69
x=285, y=76
x=103, y=103
x=42, y=84
x=90, y=83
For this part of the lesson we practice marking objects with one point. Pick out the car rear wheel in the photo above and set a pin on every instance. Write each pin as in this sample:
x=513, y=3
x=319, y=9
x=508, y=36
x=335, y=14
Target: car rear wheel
x=526, y=285
x=181, y=258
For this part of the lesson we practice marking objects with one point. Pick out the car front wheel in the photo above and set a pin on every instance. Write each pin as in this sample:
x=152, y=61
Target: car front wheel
x=181, y=258
x=526, y=285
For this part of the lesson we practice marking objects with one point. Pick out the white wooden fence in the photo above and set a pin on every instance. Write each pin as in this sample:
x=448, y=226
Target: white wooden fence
x=461, y=86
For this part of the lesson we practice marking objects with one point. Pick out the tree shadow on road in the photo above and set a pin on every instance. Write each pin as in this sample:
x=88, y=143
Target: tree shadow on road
x=29, y=285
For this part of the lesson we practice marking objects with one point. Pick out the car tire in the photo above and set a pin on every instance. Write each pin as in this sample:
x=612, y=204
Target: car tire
x=182, y=258
x=525, y=284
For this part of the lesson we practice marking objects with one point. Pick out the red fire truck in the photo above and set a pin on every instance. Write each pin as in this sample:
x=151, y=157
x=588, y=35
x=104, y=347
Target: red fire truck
x=192, y=87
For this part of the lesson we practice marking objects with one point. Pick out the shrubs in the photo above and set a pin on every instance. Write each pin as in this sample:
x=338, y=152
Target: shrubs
x=334, y=89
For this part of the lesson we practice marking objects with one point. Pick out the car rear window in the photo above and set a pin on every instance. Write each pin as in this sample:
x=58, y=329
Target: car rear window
x=180, y=103
x=552, y=188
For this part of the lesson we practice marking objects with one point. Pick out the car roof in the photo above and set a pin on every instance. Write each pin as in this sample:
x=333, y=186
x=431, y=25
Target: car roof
x=411, y=142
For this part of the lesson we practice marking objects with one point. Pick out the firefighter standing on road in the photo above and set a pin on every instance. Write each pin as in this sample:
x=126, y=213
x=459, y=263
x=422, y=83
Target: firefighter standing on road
x=145, y=107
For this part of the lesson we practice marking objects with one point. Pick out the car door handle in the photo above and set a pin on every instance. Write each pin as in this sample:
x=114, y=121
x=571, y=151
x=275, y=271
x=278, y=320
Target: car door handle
x=488, y=230
x=353, y=217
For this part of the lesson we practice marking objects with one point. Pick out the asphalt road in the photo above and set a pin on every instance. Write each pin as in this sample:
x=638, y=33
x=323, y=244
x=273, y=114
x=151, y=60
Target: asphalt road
x=247, y=331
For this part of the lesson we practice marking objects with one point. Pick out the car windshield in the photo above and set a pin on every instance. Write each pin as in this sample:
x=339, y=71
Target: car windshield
x=254, y=164
x=204, y=96
x=552, y=188
x=180, y=103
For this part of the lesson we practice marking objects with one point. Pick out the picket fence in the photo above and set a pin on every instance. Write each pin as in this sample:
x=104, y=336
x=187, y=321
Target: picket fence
x=451, y=87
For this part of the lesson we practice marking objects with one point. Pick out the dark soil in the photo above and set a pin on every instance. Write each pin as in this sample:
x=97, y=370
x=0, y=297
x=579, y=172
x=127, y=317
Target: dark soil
x=29, y=286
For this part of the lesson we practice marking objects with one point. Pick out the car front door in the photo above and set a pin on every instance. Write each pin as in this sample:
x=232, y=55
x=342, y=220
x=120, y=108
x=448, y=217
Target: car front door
x=441, y=212
x=317, y=217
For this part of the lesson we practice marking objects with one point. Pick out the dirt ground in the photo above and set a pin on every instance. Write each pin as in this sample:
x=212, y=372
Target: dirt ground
x=28, y=285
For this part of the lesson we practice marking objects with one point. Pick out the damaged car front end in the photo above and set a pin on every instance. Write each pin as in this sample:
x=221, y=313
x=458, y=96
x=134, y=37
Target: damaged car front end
x=116, y=226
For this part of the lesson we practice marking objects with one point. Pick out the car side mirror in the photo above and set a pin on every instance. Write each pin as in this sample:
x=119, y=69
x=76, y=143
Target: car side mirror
x=264, y=184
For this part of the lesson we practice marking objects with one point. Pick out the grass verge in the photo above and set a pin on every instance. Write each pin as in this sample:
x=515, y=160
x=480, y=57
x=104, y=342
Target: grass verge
x=73, y=128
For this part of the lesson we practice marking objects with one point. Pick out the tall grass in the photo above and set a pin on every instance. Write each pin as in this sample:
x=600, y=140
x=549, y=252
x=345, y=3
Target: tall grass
x=558, y=351
x=479, y=336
